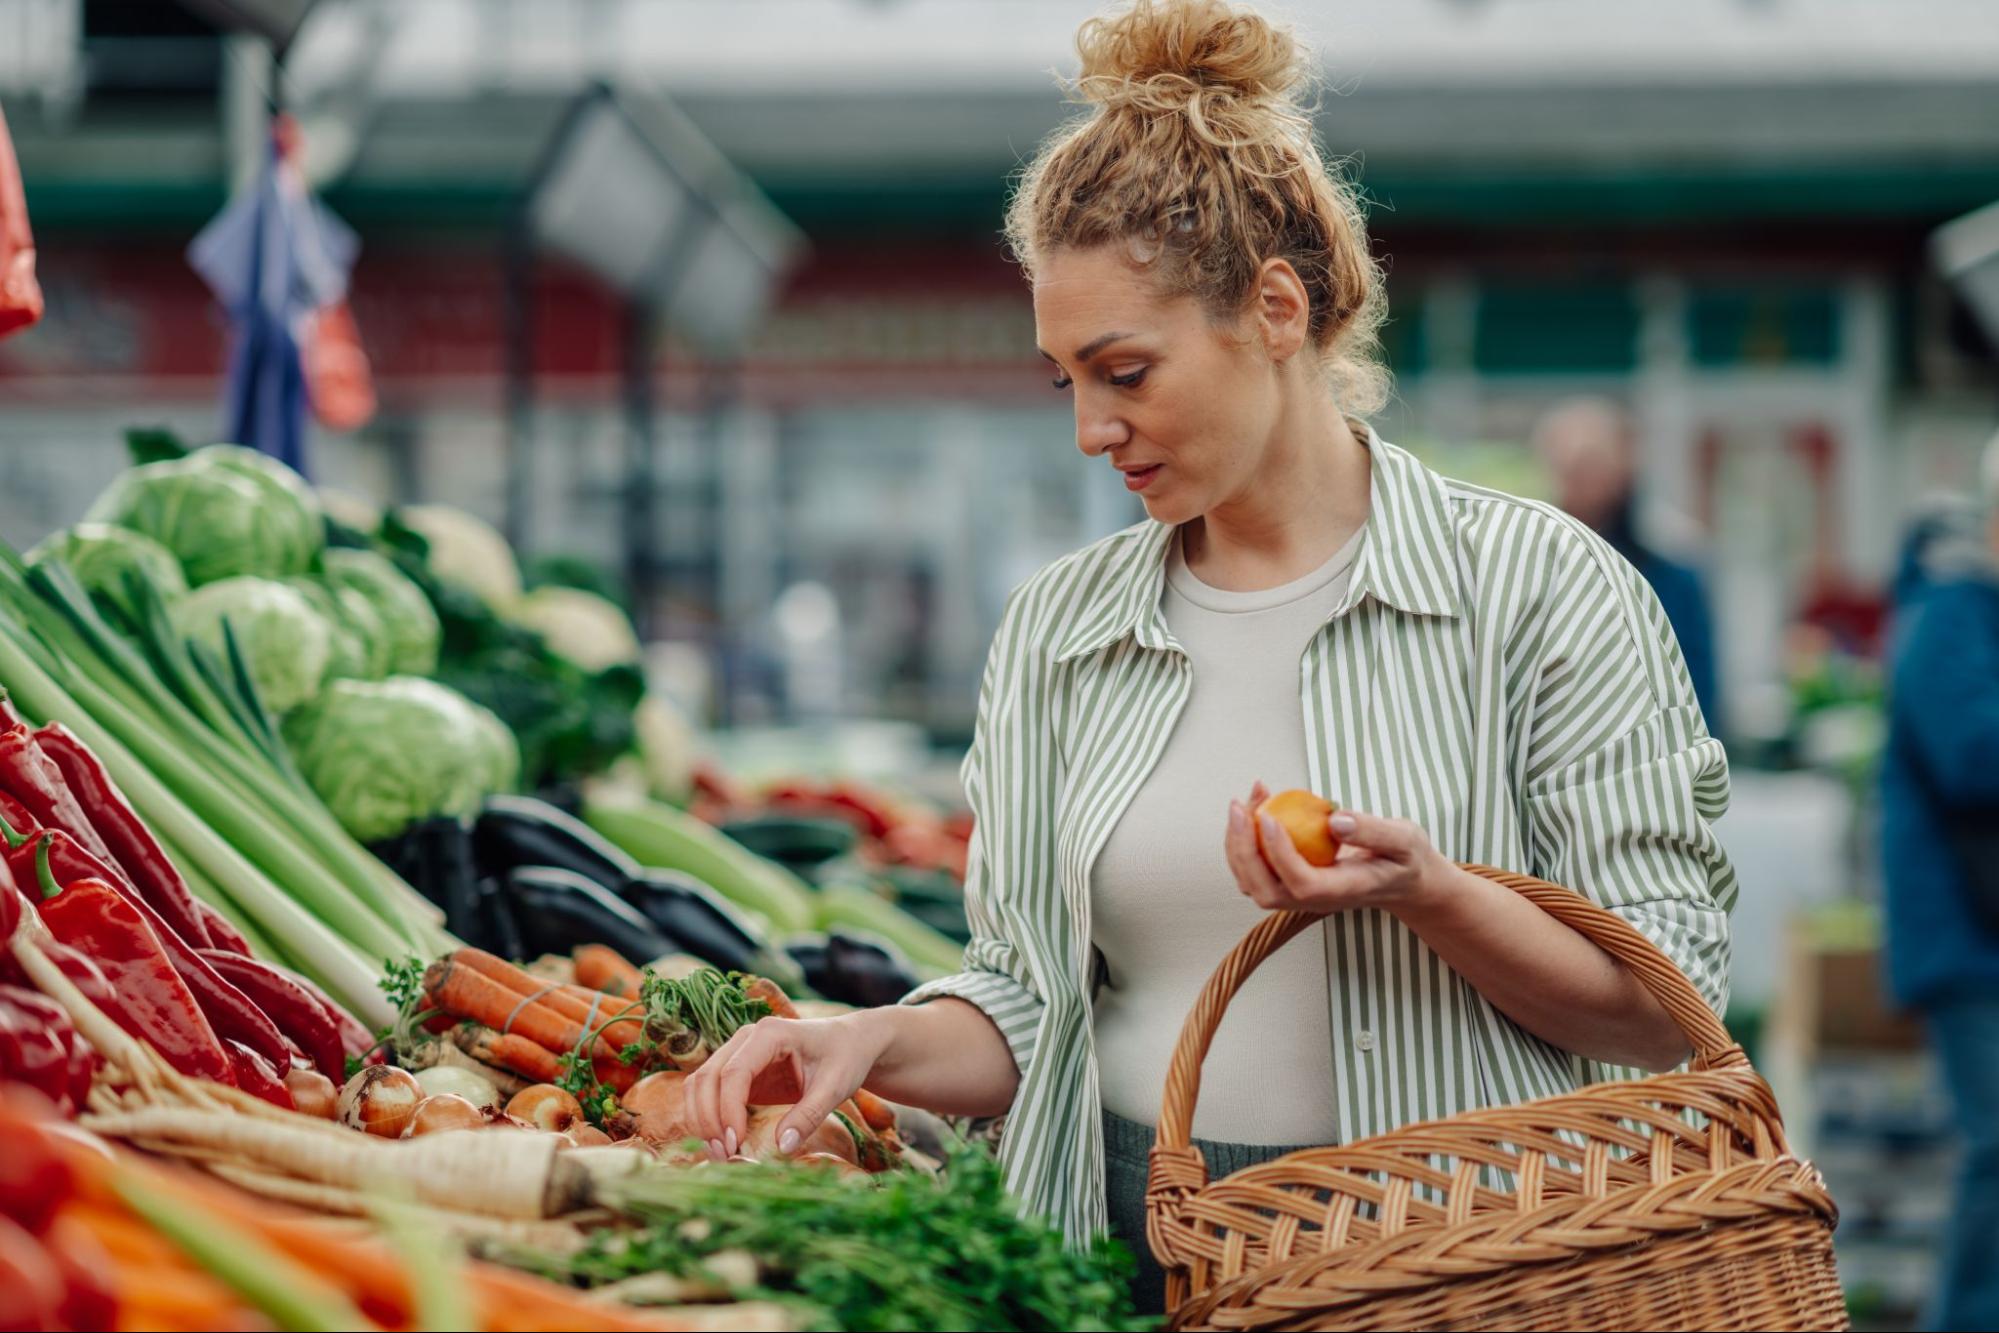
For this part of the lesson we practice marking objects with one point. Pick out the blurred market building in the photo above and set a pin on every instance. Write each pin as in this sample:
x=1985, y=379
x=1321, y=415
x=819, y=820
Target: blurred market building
x=1717, y=211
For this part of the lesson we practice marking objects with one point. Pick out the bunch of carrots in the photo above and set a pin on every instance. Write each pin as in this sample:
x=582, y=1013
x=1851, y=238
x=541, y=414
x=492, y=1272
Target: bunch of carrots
x=122, y=1243
x=600, y=1035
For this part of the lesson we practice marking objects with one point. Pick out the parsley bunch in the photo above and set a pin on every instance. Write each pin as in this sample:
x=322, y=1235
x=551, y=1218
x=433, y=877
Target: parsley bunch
x=898, y=1251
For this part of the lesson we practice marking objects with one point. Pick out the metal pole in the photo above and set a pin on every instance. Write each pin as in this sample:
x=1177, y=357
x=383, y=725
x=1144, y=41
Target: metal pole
x=519, y=319
x=641, y=463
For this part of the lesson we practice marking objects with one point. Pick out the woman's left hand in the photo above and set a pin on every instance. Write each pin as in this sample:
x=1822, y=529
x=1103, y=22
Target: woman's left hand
x=1382, y=862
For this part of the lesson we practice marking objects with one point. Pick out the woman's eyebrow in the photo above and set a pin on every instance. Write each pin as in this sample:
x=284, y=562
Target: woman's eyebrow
x=1092, y=347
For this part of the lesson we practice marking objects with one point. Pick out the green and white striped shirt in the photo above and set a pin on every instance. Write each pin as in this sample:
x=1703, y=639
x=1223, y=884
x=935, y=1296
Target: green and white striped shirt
x=1495, y=672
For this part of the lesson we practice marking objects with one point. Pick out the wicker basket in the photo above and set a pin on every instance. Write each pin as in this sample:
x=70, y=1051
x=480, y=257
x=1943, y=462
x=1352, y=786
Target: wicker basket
x=1669, y=1202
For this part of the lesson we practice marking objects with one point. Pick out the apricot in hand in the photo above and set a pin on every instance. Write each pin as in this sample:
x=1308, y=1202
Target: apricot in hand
x=1303, y=816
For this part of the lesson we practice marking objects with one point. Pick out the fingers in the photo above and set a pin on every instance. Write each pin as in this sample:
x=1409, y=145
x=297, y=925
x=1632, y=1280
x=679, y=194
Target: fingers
x=768, y=1042
x=1294, y=872
x=702, y=1095
x=1253, y=876
x=1376, y=833
x=828, y=1088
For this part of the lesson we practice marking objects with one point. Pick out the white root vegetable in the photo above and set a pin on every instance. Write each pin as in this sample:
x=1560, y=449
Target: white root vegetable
x=502, y=1175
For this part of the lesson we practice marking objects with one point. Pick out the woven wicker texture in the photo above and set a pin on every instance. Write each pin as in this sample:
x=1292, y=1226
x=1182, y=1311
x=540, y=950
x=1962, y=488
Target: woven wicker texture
x=1669, y=1202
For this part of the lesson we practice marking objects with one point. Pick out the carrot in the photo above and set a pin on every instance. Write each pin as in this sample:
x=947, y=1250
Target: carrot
x=167, y=1298
x=878, y=1114
x=458, y=989
x=375, y=1277
x=516, y=1054
x=586, y=1010
x=600, y=967
x=763, y=988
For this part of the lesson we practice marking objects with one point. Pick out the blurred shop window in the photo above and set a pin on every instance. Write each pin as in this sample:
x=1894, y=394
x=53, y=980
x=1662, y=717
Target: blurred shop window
x=1751, y=326
x=1405, y=338
x=1526, y=328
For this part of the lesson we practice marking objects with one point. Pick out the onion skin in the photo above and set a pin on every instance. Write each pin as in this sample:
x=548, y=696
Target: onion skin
x=545, y=1106
x=312, y=1093
x=586, y=1135
x=473, y=1086
x=447, y=1110
x=380, y=1101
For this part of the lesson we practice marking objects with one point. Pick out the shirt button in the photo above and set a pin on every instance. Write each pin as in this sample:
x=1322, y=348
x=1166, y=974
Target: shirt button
x=1364, y=1039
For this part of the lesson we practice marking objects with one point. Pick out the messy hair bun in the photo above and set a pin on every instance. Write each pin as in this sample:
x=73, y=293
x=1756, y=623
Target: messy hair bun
x=1200, y=161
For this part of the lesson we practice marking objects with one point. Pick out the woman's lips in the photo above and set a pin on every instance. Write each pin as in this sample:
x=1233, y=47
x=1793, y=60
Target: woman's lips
x=1139, y=478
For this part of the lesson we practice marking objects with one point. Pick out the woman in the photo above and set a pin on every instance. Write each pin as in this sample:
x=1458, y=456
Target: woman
x=1476, y=677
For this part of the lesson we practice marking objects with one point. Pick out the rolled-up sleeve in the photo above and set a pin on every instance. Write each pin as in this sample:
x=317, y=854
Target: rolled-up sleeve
x=998, y=977
x=1623, y=782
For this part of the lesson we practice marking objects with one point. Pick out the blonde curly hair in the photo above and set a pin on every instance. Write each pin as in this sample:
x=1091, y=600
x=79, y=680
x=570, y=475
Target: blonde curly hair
x=1199, y=159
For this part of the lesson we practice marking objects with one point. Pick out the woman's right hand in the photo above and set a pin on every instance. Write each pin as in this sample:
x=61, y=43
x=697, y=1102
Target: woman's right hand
x=830, y=1058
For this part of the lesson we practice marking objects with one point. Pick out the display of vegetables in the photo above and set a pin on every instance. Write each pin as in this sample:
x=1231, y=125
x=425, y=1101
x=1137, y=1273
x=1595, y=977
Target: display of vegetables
x=223, y=744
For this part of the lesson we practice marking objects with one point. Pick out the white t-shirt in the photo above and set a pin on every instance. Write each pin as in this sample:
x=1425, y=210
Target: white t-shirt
x=1164, y=906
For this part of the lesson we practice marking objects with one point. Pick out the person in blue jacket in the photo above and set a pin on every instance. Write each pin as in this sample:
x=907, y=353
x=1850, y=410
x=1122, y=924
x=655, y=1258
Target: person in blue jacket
x=1942, y=765
x=1589, y=447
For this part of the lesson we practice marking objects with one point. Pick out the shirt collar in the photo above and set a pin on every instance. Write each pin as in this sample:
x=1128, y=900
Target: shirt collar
x=1407, y=560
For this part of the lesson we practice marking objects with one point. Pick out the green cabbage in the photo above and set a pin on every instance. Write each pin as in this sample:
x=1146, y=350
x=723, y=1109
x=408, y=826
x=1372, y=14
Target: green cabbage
x=360, y=639
x=385, y=754
x=219, y=514
x=501, y=750
x=286, y=645
x=409, y=621
x=589, y=630
x=100, y=554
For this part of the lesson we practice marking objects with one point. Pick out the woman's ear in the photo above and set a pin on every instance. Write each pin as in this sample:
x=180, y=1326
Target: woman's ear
x=1283, y=309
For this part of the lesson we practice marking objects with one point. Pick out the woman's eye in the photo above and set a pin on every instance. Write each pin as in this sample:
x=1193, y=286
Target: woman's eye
x=1128, y=381
x=1061, y=381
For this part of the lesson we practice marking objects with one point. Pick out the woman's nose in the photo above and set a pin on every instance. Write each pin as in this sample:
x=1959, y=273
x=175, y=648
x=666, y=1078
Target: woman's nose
x=1097, y=431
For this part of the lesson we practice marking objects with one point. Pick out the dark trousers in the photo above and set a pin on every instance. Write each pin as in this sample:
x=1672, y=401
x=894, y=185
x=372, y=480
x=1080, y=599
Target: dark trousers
x=1966, y=1036
x=1126, y=1144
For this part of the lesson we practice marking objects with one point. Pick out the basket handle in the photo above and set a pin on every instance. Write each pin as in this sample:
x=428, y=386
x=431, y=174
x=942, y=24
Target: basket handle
x=1713, y=1047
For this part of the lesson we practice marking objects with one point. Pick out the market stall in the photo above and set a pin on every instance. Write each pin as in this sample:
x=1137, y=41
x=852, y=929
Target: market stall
x=314, y=1013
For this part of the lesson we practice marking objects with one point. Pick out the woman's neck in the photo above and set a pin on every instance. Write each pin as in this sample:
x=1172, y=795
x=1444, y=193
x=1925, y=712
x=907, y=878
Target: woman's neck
x=1308, y=498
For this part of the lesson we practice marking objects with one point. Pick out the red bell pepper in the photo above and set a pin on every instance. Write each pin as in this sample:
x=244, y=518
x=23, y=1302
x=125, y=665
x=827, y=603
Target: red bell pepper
x=133, y=847
x=159, y=1009
x=32, y=778
x=232, y=1013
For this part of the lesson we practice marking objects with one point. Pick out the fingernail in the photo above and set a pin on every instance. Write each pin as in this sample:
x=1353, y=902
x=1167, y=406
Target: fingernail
x=1270, y=825
x=787, y=1142
x=729, y=1144
x=1343, y=824
x=715, y=1150
x=1235, y=817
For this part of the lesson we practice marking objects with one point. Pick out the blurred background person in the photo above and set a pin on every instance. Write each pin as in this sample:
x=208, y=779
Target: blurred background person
x=1940, y=834
x=1589, y=446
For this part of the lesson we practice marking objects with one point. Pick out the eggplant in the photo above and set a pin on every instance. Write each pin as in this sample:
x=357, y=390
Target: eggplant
x=696, y=920
x=558, y=909
x=852, y=970
x=516, y=831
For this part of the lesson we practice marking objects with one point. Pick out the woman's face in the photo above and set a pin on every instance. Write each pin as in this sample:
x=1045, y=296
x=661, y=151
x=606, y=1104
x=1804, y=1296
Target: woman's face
x=1180, y=407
